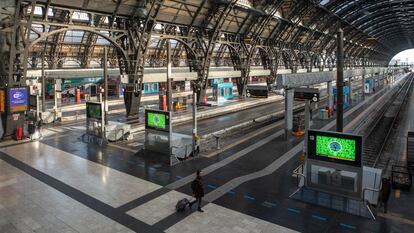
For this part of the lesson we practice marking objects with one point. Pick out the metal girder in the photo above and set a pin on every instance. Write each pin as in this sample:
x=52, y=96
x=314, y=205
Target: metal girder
x=139, y=35
x=19, y=47
x=255, y=40
x=211, y=30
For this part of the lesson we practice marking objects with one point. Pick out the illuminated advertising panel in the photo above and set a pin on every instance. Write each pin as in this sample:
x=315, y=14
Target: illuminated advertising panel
x=335, y=147
x=155, y=119
x=18, y=99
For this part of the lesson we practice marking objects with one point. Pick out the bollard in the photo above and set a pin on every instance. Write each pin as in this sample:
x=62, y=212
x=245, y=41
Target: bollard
x=217, y=142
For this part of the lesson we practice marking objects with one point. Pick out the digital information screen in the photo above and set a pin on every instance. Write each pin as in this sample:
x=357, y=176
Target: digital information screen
x=18, y=99
x=335, y=147
x=157, y=120
x=94, y=110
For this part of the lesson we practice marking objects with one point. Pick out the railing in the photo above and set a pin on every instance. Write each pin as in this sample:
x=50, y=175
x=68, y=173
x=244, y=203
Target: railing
x=187, y=148
x=367, y=203
x=299, y=173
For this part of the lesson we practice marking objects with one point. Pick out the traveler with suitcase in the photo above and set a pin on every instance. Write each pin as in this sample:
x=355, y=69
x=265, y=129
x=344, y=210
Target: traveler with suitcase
x=197, y=187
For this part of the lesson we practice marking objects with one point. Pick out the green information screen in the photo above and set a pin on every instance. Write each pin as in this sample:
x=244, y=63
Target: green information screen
x=336, y=148
x=156, y=120
x=94, y=110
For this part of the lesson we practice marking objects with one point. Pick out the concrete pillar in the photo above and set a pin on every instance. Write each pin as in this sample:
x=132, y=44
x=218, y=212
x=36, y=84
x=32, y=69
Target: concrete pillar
x=330, y=96
x=288, y=112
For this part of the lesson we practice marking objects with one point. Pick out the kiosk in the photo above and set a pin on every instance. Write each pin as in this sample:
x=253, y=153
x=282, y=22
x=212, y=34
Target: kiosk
x=14, y=103
x=333, y=163
x=95, y=122
x=222, y=92
x=150, y=88
x=171, y=147
x=333, y=175
x=368, y=86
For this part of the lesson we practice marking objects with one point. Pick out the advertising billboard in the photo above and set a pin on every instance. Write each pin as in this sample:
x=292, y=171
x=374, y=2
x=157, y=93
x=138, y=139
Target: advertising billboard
x=155, y=119
x=18, y=99
x=335, y=147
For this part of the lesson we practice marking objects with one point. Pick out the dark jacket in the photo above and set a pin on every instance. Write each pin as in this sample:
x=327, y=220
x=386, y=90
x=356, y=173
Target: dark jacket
x=386, y=190
x=198, y=187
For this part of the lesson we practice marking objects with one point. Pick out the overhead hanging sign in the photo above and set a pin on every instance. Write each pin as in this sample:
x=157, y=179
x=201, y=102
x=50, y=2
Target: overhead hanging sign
x=311, y=94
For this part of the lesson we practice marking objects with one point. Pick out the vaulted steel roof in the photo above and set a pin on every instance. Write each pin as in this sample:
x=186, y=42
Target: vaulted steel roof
x=388, y=21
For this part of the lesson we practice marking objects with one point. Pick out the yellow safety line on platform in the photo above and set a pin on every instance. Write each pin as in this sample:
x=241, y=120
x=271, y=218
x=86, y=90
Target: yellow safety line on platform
x=122, y=148
x=397, y=218
x=397, y=193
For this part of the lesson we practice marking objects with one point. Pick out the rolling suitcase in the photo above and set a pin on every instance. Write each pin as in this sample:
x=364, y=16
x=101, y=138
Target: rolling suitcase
x=182, y=204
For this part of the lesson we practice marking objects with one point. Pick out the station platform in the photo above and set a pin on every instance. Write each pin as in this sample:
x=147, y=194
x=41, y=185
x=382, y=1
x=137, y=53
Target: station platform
x=112, y=189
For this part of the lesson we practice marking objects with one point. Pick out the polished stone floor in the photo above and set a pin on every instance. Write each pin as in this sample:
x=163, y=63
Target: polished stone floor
x=61, y=184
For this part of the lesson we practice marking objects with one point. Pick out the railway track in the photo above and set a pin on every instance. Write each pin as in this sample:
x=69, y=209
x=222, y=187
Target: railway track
x=379, y=130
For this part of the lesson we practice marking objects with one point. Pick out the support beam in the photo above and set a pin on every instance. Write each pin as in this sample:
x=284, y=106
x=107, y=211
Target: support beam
x=289, y=94
x=330, y=96
x=169, y=91
x=340, y=82
x=105, y=71
x=43, y=84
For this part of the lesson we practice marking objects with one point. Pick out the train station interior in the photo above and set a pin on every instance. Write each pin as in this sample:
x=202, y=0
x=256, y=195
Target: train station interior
x=206, y=116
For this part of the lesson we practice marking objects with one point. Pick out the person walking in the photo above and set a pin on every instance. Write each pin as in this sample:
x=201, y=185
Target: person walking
x=39, y=125
x=197, y=187
x=31, y=129
x=385, y=193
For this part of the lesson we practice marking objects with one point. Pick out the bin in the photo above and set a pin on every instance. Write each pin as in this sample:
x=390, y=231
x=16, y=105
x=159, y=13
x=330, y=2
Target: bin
x=19, y=133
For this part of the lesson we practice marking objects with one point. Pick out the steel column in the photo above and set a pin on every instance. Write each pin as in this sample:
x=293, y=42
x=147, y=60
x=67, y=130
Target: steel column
x=340, y=82
x=330, y=96
x=43, y=84
x=105, y=72
x=194, y=122
x=288, y=112
x=169, y=91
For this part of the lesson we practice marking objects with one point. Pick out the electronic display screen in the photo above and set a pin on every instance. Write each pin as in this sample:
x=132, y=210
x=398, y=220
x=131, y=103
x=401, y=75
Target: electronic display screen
x=335, y=147
x=157, y=120
x=94, y=110
x=18, y=99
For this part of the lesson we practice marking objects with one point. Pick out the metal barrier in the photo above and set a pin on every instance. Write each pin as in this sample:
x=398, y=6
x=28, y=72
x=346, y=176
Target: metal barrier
x=299, y=173
x=187, y=148
x=367, y=203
